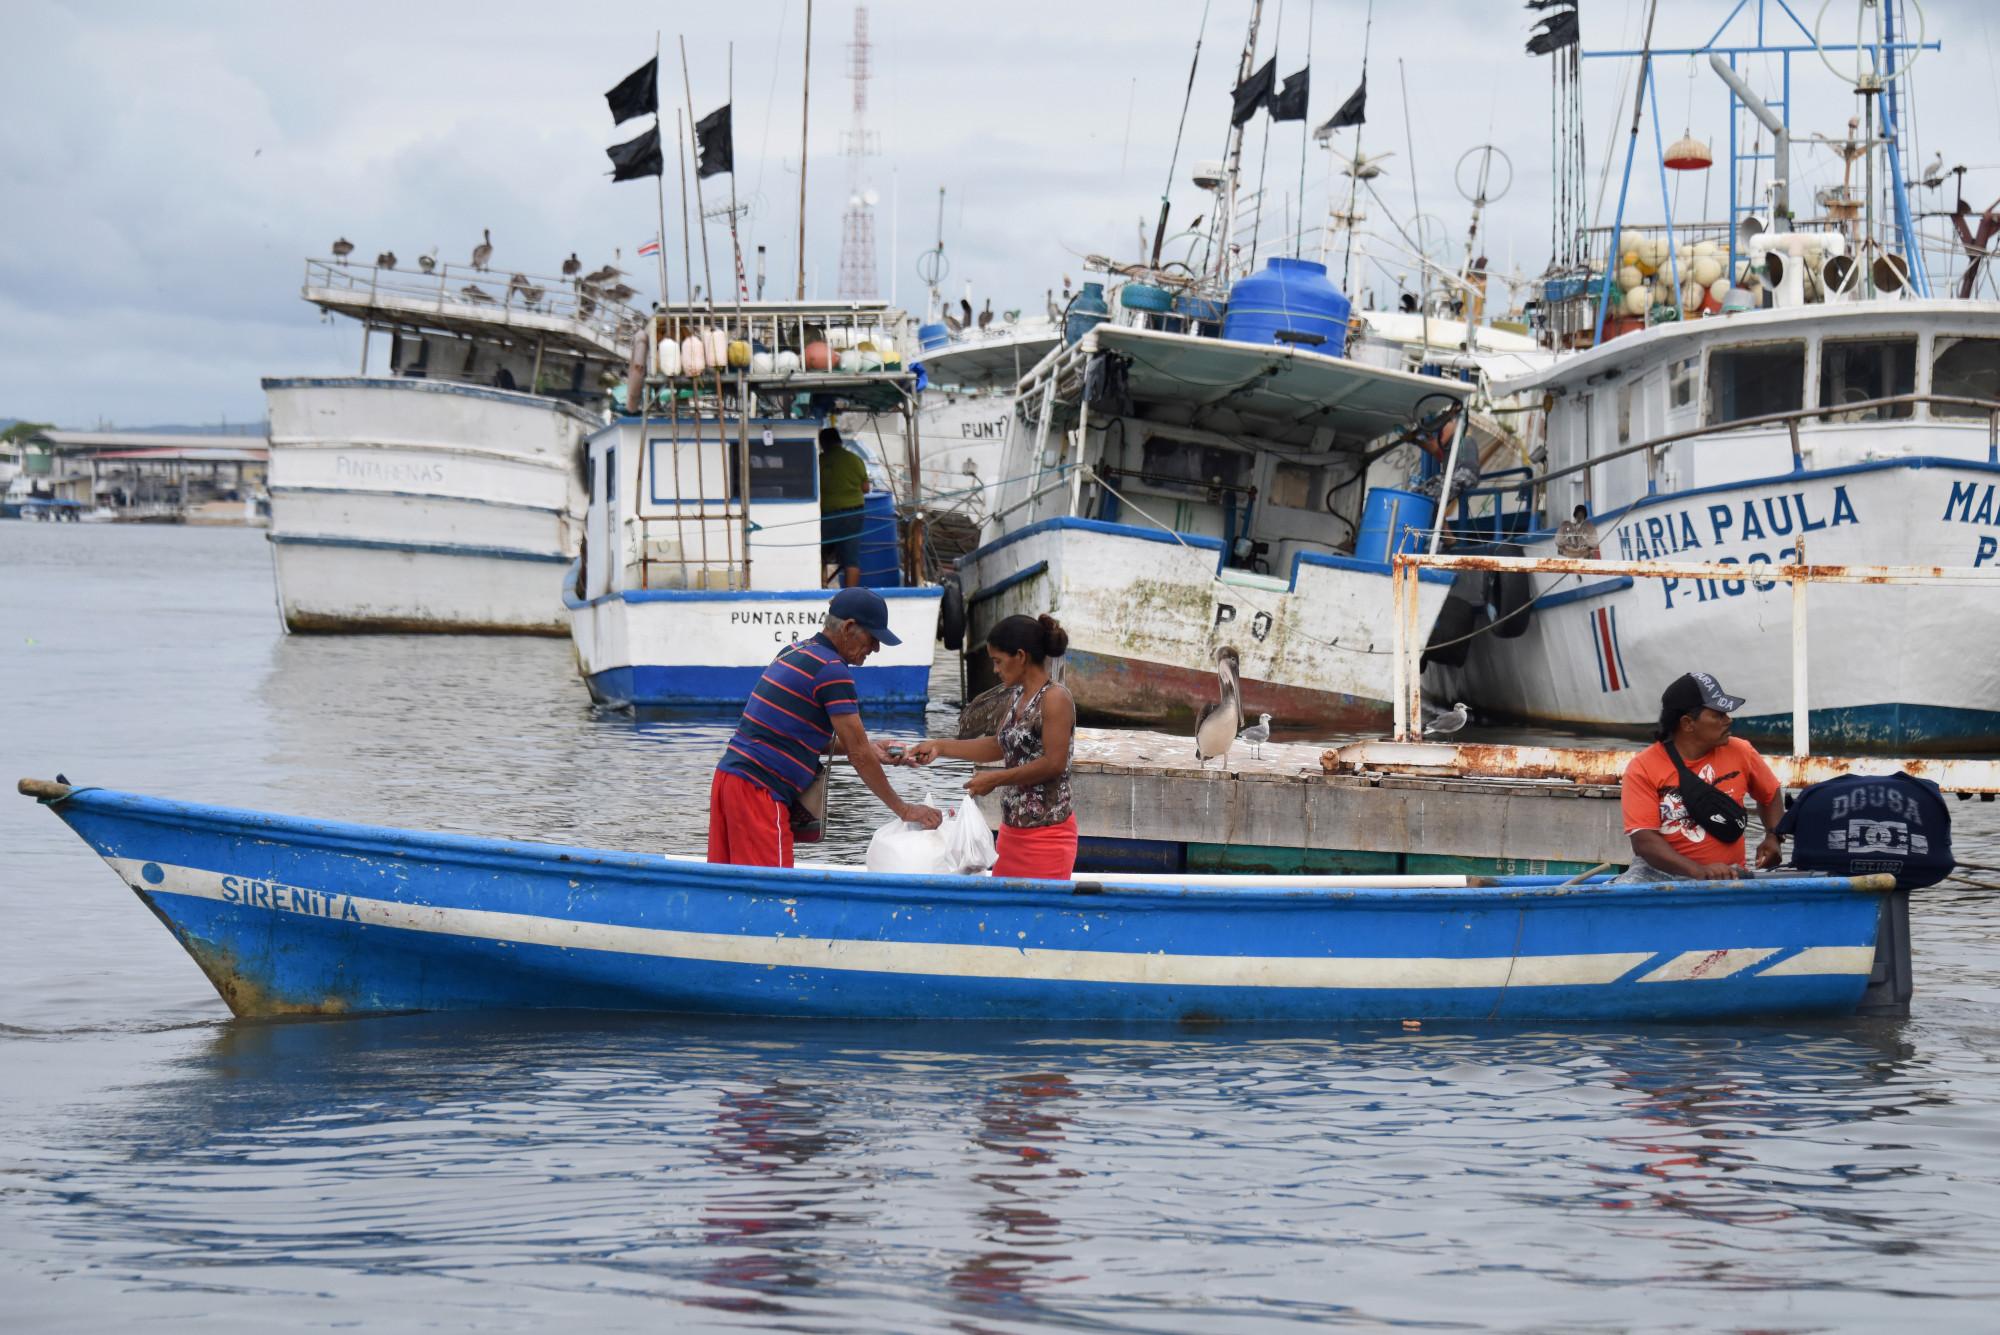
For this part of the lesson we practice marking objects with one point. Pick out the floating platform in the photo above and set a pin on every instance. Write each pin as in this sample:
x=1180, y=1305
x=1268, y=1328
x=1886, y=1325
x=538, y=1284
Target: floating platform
x=1143, y=803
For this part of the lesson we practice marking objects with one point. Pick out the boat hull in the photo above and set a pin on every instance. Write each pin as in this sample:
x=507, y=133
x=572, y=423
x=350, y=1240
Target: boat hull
x=704, y=649
x=290, y=916
x=414, y=505
x=1923, y=677
x=1146, y=612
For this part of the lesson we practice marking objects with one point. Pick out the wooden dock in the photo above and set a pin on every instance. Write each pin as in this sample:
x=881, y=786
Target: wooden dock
x=1143, y=803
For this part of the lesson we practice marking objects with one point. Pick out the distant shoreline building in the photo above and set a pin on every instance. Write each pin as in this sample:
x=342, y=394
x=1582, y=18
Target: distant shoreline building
x=207, y=477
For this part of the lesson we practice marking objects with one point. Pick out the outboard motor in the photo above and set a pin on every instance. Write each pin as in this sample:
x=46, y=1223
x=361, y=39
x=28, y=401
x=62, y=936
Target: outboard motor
x=1863, y=823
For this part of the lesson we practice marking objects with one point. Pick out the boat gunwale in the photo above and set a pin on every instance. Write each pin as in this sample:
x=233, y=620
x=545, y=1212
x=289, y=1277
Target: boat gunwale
x=485, y=851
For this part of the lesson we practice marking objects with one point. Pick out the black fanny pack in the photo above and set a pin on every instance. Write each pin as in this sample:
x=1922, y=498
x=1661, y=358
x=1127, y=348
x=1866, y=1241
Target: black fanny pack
x=1715, y=811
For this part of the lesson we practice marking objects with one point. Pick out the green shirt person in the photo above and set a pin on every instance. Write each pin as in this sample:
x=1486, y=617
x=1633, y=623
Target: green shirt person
x=843, y=482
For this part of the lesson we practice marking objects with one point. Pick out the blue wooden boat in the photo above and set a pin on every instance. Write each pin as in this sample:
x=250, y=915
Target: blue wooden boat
x=289, y=916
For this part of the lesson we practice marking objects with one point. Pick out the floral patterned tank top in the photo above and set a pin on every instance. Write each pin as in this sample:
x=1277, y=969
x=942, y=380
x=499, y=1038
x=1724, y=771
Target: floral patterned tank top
x=1021, y=744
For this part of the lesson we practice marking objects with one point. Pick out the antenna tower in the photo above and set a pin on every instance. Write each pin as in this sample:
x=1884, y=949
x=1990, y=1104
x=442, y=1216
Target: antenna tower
x=857, y=225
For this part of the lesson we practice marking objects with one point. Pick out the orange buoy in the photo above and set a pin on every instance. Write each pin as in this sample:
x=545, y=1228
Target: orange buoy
x=819, y=357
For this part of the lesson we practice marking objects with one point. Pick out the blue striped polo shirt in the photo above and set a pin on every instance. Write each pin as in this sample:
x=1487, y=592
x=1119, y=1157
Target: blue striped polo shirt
x=789, y=718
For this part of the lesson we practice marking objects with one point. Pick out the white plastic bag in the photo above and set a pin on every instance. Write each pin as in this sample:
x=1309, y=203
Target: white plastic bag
x=968, y=841
x=962, y=844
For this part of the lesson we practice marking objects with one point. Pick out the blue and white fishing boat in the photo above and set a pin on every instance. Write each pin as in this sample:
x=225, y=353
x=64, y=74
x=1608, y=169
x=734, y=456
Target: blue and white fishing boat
x=702, y=533
x=289, y=916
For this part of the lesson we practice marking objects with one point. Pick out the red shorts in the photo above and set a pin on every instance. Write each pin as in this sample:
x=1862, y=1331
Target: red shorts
x=747, y=826
x=1046, y=853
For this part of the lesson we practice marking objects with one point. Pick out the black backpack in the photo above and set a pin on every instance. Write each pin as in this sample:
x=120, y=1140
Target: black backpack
x=1863, y=823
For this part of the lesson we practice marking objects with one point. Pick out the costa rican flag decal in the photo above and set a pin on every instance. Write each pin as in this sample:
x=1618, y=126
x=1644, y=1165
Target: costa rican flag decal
x=1610, y=661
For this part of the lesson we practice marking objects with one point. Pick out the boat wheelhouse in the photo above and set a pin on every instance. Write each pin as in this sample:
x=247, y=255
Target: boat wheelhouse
x=701, y=555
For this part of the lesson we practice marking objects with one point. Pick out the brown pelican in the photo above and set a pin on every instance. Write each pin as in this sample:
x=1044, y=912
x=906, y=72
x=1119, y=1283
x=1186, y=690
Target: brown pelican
x=620, y=293
x=484, y=250
x=572, y=266
x=475, y=293
x=342, y=248
x=1216, y=726
x=986, y=316
x=386, y=260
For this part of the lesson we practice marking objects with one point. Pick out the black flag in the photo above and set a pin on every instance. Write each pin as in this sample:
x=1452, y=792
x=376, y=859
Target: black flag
x=1557, y=31
x=1354, y=111
x=714, y=146
x=636, y=157
x=637, y=94
x=1289, y=102
x=1254, y=92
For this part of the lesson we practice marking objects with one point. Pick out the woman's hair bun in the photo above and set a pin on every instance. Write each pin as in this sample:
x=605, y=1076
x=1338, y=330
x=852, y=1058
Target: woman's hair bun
x=1055, y=640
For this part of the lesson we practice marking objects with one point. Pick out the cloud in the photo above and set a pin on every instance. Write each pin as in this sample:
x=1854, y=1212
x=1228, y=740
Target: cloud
x=166, y=169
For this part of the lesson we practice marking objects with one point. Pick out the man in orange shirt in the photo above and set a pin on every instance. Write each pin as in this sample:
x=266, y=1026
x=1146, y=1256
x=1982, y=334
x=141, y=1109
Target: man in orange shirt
x=1679, y=828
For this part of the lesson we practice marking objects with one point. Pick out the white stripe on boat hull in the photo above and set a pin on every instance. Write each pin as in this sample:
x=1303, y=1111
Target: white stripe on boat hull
x=969, y=961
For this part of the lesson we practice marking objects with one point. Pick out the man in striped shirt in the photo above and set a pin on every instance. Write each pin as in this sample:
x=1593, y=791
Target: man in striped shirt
x=805, y=698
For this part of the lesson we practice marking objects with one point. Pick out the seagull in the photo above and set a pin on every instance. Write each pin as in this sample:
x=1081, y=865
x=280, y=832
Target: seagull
x=1449, y=721
x=386, y=260
x=986, y=316
x=572, y=266
x=428, y=262
x=342, y=248
x=1364, y=166
x=484, y=250
x=474, y=292
x=1216, y=726
x=1257, y=734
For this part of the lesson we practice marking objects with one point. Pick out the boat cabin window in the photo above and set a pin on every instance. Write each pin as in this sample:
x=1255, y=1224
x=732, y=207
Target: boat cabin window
x=1680, y=383
x=1854, y=370
x=780, y=470
x=1755, y=380
x=611, y=476
x=1175, y=461
x=1964, y=368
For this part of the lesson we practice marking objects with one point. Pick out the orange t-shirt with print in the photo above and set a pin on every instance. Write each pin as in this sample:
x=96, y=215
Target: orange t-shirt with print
x=1650, y=796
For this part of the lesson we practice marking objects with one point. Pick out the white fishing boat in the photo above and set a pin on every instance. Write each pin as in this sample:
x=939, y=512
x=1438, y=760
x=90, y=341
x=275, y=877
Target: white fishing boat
x=701, y=555
x=445, y=494
x=1221, y=496
x=1814, y=395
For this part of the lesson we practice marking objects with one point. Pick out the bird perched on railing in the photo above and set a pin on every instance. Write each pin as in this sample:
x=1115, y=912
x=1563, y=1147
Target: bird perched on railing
x=476, y=293
x=986, y=315
x=1257, y=734
x=598, y=277
x=1444, y=722
x=619, y=292
x=1220, y=719
x=484, y=250
x=572, y=266
x=386, y=260
x=342, y=248
x=952, y=323
x=428, y=262
x=965, y=305
x=530, y=294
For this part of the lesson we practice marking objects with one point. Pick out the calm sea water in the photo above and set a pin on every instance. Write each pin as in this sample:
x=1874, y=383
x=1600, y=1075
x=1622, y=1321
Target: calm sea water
x=163, y=1166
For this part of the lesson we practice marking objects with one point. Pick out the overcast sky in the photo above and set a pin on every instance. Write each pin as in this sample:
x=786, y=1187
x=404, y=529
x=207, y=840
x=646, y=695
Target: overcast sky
x=166, y=168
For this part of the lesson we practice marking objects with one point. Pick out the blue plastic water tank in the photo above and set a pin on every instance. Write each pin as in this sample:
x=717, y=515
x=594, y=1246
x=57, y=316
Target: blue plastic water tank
x=931, y=336
x=1087, y=310
x=1290, y=297
x=881, y=548
x=1387, y=511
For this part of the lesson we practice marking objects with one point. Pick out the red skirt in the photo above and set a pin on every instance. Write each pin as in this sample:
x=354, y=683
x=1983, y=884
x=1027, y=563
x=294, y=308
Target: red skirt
x=1046, y=853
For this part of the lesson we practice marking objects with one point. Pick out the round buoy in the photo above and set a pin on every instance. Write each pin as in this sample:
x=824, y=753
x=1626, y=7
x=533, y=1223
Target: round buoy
x=819, y=357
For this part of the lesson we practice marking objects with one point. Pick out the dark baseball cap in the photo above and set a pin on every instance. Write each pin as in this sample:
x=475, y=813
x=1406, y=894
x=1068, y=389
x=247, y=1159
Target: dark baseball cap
x=865, y=608
x=1696, y=691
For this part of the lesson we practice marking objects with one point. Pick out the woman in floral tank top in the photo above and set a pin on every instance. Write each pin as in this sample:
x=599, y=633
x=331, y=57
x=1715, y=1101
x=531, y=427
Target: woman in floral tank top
x=1035, y=744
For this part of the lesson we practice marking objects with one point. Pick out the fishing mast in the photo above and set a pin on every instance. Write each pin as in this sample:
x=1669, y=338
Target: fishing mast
x=1234, y=158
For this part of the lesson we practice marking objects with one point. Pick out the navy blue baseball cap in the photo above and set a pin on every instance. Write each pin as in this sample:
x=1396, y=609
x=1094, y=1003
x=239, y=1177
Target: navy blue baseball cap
x=866, y=609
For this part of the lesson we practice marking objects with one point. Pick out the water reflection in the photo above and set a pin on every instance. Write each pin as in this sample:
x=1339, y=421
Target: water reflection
x=1021, y=1126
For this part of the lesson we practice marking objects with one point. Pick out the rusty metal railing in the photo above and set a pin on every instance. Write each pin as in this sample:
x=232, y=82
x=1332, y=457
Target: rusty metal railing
x=1408, y=640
